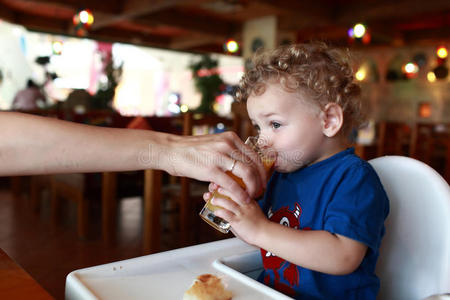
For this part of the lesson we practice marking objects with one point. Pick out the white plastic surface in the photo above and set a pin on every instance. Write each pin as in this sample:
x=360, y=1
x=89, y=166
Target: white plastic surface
x=166, y=275
x=414, y=258
x=246, y=267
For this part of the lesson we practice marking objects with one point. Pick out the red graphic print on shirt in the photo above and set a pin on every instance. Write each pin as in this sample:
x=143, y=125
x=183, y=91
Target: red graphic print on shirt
x=288, y=218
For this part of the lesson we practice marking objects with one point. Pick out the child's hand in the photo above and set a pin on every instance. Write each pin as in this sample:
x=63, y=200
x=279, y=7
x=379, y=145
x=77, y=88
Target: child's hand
x=246, y=220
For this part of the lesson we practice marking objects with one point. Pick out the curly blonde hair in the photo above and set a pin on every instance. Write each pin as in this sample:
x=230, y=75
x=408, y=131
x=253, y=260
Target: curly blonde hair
x=320, y=72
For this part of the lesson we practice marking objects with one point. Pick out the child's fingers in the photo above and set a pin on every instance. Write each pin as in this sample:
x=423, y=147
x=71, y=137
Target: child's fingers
x=230, y=194
x=224, y=214
x=227, y=204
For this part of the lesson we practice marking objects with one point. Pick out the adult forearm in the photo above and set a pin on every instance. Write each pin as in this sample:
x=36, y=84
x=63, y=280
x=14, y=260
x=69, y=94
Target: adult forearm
x=38, y=145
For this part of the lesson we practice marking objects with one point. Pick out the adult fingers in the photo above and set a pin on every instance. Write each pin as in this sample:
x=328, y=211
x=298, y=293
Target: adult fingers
x=207, y=196
x=243, y=162
x=249, y=176
x=212, y=187
x=251, y=159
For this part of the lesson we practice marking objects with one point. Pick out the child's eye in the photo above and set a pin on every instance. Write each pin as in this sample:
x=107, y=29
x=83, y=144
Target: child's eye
x=275, y=125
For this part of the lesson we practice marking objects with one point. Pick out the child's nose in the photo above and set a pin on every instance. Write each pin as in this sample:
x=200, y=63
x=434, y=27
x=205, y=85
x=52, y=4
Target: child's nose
x=264, y=141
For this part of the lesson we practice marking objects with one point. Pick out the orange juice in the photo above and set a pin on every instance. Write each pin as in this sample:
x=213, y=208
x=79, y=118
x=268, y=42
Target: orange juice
x=213, y=207
x=207, y=213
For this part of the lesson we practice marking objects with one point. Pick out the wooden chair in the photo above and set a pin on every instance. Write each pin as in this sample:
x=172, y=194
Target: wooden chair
x=109, y=182
x=151, y=187
x=38, y=185
x=76, y=187
x=16, y=185
x=151, y=191
x=430, y=143
x=152, y=209
x=421, y=142
x=393, y=138
x=71, y=187
x=109, y=206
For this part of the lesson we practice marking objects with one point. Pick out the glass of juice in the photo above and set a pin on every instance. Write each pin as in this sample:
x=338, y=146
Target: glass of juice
x=207, y=213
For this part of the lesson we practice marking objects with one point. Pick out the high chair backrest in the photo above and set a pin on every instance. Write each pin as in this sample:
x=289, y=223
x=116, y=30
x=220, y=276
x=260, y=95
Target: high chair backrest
x=414, y=260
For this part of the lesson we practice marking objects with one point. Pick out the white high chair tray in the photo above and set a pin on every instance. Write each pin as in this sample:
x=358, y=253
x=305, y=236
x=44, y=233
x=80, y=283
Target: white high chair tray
x=167, y=275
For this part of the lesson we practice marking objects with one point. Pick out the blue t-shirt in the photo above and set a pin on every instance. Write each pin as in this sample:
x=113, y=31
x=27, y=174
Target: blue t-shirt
x=342, y=195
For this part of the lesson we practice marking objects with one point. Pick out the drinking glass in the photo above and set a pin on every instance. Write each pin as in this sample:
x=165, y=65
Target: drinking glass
x=207, y=213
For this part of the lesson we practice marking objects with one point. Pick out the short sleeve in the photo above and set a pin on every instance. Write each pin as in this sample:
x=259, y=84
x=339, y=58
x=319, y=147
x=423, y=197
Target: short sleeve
x=359, y=206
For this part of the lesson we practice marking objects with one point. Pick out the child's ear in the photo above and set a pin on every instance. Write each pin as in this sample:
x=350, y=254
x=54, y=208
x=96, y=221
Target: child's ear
x=332, y=119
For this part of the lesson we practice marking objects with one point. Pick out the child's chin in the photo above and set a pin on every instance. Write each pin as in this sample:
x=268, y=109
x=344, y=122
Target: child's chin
x=289, y=168
x=281, y=169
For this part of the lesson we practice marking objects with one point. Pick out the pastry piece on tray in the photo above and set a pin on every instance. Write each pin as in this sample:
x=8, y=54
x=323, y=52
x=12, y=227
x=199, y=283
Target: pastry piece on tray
x=207, y=287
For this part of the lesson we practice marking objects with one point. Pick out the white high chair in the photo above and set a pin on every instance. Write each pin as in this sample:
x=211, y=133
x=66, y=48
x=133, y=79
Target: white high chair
x=414, y=260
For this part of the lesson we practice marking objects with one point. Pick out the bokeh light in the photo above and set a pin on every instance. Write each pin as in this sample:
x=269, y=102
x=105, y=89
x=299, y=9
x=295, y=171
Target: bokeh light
x=359, y=30
x=361, y=74
x=86, y=17
x=351, y=33
x=431, y=76
x=57, y=47
x=184, y=108
x=231, y=46
x=442, y=52
x=410, y=68
x=424, y=110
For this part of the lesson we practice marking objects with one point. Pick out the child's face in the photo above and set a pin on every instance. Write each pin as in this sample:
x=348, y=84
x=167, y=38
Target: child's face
x=289, y=125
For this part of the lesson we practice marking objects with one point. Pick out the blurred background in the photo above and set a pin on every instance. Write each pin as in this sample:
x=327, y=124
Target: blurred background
x=172, y=65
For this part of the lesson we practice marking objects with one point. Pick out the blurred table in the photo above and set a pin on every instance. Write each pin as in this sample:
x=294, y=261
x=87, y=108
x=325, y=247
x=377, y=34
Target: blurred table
x=15, y=283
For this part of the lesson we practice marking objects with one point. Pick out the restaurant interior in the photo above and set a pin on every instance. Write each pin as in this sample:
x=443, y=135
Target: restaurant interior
x=153, y=65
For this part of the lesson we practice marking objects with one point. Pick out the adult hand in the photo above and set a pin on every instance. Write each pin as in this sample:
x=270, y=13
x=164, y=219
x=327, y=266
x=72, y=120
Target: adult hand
x=208, y=157
x=39, y=145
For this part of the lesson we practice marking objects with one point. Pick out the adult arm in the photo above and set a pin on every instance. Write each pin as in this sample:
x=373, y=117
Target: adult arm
x=39, y=145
